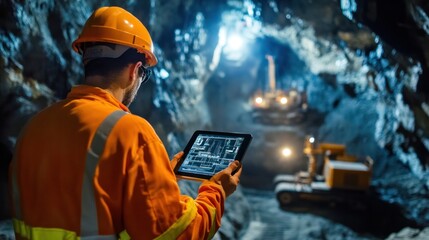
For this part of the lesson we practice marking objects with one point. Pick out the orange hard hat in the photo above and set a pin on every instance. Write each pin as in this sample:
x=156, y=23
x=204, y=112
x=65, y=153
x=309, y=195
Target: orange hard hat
x=118, y=26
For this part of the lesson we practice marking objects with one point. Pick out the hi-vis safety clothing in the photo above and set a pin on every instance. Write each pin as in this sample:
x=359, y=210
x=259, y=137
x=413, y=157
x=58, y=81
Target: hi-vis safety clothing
x=118, y=26
x=85, y=168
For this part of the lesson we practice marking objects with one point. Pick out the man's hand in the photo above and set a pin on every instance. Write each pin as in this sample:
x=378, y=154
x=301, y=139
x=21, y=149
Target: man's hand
x=229, y=177
x=175, y=159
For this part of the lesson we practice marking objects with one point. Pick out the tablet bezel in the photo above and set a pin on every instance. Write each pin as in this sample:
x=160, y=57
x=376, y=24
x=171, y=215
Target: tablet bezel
x=247, y=138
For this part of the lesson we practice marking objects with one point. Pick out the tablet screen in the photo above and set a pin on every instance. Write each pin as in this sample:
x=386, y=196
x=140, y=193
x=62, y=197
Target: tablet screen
x=210, y=152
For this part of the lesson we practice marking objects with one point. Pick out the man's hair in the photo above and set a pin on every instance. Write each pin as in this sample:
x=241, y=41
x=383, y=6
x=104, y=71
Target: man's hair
x=107, y=66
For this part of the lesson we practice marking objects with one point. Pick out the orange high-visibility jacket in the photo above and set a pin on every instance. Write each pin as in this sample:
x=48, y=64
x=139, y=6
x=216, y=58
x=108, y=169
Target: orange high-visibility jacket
x=86, y=169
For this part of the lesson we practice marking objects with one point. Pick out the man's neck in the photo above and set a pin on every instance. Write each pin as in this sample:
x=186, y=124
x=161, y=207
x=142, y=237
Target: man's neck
x=109, y=86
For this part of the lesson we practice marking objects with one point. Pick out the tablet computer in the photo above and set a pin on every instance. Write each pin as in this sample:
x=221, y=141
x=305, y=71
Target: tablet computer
x=209, y=152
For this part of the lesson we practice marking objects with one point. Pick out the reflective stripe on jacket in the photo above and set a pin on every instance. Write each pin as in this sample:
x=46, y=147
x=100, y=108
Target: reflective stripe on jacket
x=69, y=185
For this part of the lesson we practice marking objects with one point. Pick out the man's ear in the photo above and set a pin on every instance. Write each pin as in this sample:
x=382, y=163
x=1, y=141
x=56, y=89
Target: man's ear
x=133, y=72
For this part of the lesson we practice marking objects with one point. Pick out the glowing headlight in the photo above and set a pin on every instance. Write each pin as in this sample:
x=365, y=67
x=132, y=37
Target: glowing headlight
x=259, y=100
x=286, y=152
x=311, y=139
x=283, y=100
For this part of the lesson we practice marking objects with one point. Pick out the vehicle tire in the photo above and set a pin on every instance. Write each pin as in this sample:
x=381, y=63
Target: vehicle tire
x=285, y=198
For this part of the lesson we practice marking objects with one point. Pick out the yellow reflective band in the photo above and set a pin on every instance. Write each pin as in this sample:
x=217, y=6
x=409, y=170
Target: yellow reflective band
x=124, y=235
x=213, y=218
x=182, y=223
x=39, y=233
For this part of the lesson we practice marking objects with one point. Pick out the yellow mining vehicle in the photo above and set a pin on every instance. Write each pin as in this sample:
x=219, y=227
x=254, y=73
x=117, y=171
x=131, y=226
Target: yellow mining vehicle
x=275, y=105
x=332, y=177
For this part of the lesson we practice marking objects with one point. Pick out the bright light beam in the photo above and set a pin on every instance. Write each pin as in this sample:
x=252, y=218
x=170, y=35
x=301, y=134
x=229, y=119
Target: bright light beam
x=234, y=43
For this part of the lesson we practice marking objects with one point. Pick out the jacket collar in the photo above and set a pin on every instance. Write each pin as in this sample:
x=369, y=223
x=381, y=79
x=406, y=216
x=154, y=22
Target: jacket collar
x=95, y=93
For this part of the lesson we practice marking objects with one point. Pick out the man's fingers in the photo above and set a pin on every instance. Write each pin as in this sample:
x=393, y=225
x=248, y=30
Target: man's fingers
x=178, y=155
x=229, y=177
x=176, y=159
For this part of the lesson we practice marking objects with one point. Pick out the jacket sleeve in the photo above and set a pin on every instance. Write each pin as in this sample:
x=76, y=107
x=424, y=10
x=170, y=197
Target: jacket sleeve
x=210, y=207
x=153, y=206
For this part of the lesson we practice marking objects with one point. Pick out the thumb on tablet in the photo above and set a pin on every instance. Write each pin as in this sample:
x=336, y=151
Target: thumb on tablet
x=229, y=177
x=233, y=166
x=237, y=168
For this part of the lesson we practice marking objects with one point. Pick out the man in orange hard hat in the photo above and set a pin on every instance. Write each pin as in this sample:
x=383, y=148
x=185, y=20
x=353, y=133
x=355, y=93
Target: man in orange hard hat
x=86, y=168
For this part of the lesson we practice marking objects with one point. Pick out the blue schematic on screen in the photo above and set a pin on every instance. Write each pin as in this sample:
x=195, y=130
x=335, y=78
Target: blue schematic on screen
x=210, y=154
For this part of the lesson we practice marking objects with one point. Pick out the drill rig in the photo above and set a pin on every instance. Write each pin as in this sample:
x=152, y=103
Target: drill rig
x=275, y=105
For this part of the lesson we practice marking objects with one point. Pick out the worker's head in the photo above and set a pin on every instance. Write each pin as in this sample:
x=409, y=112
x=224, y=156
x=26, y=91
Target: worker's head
x=112, y=42
x=116, y=25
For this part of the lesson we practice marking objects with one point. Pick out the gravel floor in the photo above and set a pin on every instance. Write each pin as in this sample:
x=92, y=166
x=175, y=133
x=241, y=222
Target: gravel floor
x=268, y=221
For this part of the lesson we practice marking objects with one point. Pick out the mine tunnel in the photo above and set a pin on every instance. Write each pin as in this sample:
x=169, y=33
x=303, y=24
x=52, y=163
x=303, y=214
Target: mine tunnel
x=335, y=94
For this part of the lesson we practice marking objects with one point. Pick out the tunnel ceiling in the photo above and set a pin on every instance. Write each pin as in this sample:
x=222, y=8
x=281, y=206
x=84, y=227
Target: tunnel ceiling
x=363, y=65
